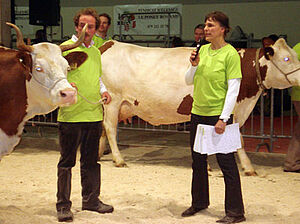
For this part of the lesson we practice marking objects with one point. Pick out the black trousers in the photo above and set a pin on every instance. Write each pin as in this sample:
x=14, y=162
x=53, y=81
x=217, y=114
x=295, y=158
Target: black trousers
x=71, y=135
x=200, y=188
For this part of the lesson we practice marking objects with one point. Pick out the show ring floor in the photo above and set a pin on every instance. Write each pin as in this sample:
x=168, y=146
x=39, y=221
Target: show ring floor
x=154, y=188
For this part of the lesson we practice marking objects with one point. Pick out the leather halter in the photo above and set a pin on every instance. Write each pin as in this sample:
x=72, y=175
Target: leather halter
x=258, y=74
x=271, y=60
x=285, y=74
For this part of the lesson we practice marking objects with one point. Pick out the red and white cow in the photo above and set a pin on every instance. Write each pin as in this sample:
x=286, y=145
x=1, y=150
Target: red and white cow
x=150, y=83
x=32, y=81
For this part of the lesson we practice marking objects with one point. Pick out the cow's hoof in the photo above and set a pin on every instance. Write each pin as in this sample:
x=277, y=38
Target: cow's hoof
x=121, y=164
x=250, y=173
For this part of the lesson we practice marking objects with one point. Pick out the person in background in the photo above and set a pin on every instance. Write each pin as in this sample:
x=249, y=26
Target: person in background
x=40, y=36
x=177, y=42
x=292, y=160
x=80, y=124
x=199, y=35
x=101, y=36
x=216, y=75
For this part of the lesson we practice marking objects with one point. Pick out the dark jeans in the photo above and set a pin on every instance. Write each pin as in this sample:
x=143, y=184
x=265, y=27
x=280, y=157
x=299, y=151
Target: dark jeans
x=200, y=189
x=71, y=135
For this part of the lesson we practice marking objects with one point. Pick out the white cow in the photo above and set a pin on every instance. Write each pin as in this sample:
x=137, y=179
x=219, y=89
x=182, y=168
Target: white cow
x=33, y=80
x=149, y=83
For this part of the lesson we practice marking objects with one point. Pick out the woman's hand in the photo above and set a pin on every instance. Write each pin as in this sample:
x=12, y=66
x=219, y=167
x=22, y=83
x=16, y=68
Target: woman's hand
x=220, y=127
x=194, y=61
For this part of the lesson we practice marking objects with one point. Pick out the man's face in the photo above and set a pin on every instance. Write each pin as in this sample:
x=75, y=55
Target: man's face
x=91, y=28
x=199, y=34
x=104, y=26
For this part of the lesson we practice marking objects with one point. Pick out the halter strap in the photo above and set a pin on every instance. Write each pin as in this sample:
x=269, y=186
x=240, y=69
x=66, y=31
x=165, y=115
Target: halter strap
x=258, y=74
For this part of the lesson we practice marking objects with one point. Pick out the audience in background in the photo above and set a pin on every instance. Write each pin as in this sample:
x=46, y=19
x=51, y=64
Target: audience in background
x=199, y=35
x=101, y=34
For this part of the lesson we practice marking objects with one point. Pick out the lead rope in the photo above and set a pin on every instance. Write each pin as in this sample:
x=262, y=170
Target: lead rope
x=101, y=101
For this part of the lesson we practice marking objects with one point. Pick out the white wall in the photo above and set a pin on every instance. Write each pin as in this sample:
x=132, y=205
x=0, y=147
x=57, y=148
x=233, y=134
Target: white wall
x=261, y=18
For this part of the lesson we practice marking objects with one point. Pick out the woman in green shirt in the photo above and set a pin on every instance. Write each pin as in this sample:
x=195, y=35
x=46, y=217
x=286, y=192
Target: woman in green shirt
x=292, y=160
x=216, y=75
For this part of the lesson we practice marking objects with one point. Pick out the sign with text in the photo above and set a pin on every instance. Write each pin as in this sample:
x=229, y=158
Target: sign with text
x=147, y=19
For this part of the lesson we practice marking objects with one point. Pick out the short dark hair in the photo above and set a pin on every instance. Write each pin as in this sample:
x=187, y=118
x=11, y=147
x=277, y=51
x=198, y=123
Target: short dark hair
x=199, y=26
x=107, y=16
x=87, y=11
x=221, y=18
x=274, y=37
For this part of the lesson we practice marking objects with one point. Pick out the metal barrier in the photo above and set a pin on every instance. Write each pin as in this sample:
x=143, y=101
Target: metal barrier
x=260, y=124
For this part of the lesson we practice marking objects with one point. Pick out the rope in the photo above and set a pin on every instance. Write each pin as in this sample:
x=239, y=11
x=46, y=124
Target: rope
x=101, y=101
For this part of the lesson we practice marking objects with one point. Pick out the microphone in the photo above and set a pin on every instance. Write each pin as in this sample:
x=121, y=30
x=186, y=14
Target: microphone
x=197, y=50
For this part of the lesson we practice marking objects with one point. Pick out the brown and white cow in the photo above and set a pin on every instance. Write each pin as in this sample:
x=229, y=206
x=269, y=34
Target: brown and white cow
x=150, y=83
x=33, y=80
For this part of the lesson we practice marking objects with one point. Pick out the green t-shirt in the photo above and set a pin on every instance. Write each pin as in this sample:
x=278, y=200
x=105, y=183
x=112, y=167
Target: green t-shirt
x=86, y=78
x=99, y=41
x=296, y=89
x=214, y=70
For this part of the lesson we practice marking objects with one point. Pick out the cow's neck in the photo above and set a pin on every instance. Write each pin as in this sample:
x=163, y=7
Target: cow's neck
x=244, y=108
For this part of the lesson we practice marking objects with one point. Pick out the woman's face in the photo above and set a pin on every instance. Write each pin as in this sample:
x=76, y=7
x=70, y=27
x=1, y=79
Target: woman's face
x=213, y=30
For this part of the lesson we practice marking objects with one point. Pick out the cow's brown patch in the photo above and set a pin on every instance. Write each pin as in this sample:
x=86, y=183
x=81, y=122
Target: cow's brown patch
x=136, y=103
x=106, y=46
x=249, y=86
x=76, y=59
x=185, y=106
x=13, y=101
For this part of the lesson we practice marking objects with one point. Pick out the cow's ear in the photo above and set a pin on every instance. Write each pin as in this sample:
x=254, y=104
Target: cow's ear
x=106, y=46
x=26, y=60
x=268, y=52
x=76, y=59
x=267, y=42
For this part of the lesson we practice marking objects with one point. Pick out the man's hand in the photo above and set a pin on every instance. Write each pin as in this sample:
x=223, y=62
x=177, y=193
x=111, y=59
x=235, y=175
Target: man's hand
x=106, y=97
x=220, y=127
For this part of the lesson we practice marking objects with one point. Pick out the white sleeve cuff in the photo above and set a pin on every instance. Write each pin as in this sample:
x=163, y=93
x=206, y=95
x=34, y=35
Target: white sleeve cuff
x=231, y=96
x=189, y=75
x=102, y=87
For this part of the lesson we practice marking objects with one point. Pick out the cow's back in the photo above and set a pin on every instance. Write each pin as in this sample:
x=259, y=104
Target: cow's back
x=151, y=80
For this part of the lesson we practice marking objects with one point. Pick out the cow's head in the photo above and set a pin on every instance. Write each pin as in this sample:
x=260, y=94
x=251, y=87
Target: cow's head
x=283, y=65
x=47, y=84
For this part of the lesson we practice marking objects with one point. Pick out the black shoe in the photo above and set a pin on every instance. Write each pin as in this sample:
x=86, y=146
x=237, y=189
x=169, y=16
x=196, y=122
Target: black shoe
x=106, y=151
x=232, y=219
x=64, y=215
x=292, y=171
x=191, y=211
x=101, y=208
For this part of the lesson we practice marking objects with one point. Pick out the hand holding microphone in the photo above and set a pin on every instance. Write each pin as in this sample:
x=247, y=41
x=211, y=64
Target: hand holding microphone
x=194, y=59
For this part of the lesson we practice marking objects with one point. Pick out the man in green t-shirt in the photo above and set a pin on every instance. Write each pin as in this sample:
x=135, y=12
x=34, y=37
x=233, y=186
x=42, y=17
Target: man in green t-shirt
x=101, y=36
x=80, y=124
x=292, y=160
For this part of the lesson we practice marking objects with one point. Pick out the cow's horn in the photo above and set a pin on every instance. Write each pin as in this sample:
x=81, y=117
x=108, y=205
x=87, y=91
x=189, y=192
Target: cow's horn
x=20, y=42
x=77, y=43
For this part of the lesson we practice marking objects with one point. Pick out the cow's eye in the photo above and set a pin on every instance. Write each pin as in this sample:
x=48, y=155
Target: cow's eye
x=38, y=68
x=286, y=58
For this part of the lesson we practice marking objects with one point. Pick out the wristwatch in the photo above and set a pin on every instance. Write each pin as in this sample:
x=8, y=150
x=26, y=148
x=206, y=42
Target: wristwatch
x=224, y=120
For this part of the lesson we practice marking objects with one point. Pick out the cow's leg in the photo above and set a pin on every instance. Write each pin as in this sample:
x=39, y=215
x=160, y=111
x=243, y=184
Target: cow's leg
x=110, y=123
x=102, y=144
x=245, y=161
